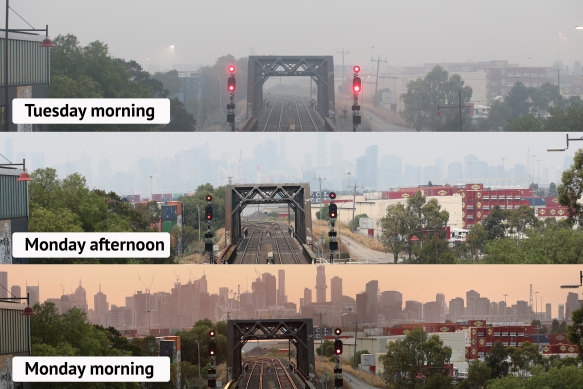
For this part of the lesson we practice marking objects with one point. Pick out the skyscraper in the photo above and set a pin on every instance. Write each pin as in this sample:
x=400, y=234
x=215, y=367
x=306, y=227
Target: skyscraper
x=281, y=297
x=15, y=291
x=372, y=290
x=307, y=296
x=34, y=294
x=4, y=284
x=472, y=298
x=321, y=284
x=571, y=305
x=270, y=289
x=100, y=307
x=335, y=289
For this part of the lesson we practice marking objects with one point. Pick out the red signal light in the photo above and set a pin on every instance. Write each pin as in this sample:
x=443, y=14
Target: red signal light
x=356, y=69
x=356, y=84
x=231, y=68
x=332, y=195
x=231, y=84
x=209, y=198
x=211, y=333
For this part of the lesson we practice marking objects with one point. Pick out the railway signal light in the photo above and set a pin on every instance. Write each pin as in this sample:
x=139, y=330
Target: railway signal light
x=212, y=344
x=337, y=347
x=333, y=211
x=209, y=212
x=231, y=68
x=231, y=83
x=356, y=84
x=337, y=331
x=332, y=196
x=356, y=69
x=209, y=198
x=333, y=246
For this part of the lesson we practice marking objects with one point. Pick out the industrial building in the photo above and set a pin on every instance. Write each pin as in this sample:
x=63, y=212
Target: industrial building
x=13, y=211
x=28, y=74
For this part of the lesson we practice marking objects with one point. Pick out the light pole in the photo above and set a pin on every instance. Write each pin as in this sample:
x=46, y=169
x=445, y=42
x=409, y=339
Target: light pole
x=355, y=338
x=198, y=213
x=198, y=347
x=45, y=43
x=568, y=140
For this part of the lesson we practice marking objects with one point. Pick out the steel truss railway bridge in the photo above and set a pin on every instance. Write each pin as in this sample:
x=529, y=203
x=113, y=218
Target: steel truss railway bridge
x=319, y=68
x=256, y=373
x=251, y=246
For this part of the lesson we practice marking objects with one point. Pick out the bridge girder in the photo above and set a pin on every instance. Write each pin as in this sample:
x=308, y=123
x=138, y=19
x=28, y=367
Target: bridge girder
x=238, y=196
x=299, y=332
x=318, y=68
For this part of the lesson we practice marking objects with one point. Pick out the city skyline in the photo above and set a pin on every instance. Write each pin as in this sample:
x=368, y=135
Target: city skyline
x=175, y=163
x=452, y=281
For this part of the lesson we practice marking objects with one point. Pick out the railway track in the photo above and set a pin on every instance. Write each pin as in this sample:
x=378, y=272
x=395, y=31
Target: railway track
x=289, y=114
x=265, y=238
x=266, y=373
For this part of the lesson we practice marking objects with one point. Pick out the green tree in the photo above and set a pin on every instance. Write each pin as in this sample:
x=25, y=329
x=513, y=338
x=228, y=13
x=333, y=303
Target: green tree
x=395, y=229
x=476, y=239
x=408, y=357
x=524, y=357
x=424, y=95
x=575, y=330
x=494, y=223
x=496, y=360
x=478, y=375
x=571, y=189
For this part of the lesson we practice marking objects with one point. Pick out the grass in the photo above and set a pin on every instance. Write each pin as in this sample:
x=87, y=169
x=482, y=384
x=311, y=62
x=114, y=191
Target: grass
x=323, y=365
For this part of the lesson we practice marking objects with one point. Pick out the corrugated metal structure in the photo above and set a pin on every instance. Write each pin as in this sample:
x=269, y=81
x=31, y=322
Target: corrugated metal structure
x=13, y=339
x=13, y=211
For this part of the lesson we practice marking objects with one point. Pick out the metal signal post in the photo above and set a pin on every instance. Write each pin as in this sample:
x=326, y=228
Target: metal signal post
x=356, y=89
x=231, y=86
x=338, y=379
x=333, y=214
x=212, y=370
x=208, y=236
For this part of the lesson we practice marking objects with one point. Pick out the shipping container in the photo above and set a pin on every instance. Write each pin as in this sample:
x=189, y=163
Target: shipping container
x=178, y=204
x=167, y=225
x=558, y=338
x=157, y=197
x=169, y=212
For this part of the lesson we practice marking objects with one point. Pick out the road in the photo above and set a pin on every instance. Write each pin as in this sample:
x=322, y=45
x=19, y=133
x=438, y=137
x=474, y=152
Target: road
x=355, y=382
x=363, y=253
x=379, y=124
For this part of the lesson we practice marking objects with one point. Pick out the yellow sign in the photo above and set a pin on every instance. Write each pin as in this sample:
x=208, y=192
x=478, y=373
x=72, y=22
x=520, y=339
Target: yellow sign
x=405, y=195
x=475, y=186
x=442, y=192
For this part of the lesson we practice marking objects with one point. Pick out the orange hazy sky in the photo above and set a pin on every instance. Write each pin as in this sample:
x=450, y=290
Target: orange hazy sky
x=415, y=282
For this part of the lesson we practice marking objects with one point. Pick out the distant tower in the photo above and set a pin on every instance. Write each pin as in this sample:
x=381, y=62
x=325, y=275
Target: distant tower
x=321, y=284
x=281, y=299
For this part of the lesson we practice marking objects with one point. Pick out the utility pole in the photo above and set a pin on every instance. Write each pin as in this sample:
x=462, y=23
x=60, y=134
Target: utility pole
x=320, y=178
x=355, y=338
x=505, y=308
x=376, y=85
x=342, y=52
x=449, y=106
x=321, y=334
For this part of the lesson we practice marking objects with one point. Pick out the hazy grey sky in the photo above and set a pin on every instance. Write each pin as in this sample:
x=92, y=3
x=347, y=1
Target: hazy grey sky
x=123, y=149
x=527, y=32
